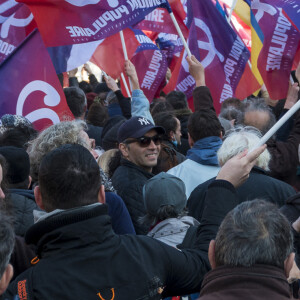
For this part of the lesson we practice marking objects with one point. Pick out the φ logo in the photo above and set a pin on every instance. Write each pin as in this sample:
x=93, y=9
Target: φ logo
x=209, y=46
x=52, y=99
x=262, y=8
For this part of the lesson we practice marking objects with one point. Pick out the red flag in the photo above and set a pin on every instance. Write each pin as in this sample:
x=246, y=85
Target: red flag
x=109, y=54
x=68, y=22
x=36, y=92
x=14, y=29
x=247, y=84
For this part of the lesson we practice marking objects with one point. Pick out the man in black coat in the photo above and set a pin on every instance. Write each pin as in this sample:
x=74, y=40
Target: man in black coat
x=80, y=257
x=258, y=186
x=139, y=144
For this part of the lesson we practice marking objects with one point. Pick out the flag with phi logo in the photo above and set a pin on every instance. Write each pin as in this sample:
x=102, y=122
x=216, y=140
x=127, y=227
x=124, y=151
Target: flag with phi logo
x=37, y=93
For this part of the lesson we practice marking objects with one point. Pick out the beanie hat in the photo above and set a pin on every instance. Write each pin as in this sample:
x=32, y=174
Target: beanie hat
x=164, y=189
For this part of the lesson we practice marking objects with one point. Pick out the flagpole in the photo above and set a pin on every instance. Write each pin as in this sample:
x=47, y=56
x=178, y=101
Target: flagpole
x=180, y=34
x=277, y=125
x=231, y=10
x=125, y=56
x=125, y=84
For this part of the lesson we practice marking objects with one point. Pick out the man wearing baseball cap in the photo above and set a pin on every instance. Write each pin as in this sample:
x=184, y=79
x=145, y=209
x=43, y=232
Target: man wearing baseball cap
x=139, y=145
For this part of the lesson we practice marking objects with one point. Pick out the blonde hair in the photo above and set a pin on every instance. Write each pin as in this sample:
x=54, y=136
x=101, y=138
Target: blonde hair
x=104, y=159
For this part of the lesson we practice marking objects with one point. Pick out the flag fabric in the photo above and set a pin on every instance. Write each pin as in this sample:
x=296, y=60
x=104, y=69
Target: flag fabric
x=159, y=20
x=7, y=8
x=67, y=58
x=151, y=65
x=291, y=9
x=37, y=93
x=171, y=45
x=280, y=44
x=16, y=25
x=67, y=22
x=220, y=50
x=109, y=55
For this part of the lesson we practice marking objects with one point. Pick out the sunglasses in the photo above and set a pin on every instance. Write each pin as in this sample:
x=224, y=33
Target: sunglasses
x=145, y=141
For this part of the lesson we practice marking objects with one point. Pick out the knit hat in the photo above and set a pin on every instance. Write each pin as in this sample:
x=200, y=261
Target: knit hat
x=164, y=189
x=18, y=163
x=136, y=127
x=15, y=121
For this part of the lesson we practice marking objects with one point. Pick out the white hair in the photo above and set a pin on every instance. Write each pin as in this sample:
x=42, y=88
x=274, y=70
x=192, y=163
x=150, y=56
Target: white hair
x=238, y=140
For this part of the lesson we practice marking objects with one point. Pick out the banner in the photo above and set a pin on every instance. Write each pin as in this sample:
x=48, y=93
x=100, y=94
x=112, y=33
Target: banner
x=151, y=65
x=220, y=50
x=14, y=28
x=66, y=22
x=280, y=44
x=159, y=20
x=36, y=92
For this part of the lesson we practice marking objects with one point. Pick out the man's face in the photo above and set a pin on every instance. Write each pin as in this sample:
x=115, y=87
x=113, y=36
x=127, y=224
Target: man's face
x=144, y=157
x=178, y=132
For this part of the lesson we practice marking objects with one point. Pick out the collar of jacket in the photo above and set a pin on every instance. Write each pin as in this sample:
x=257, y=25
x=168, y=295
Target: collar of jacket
x=26, y=193
x=224, y=280
x=125, y=162
x=37, y=231
x=205, y=150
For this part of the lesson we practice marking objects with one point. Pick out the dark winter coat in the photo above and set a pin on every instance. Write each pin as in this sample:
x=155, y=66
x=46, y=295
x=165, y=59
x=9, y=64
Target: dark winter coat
x=128, y=180
x=82, y=258
x=23, y=203
x=258, y=186
x=253, y=283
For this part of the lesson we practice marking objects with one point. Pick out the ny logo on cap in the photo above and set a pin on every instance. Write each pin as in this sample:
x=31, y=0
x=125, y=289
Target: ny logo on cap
x=144, y=121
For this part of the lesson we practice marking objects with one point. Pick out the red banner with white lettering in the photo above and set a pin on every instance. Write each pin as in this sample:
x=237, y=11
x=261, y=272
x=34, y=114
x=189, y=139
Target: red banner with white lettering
x=280, y=44
x=36, y=92
x=66, y=22
x=15, y=28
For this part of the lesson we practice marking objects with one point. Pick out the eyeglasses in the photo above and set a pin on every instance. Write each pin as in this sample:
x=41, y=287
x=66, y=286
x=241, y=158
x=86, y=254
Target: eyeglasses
x=145, y=141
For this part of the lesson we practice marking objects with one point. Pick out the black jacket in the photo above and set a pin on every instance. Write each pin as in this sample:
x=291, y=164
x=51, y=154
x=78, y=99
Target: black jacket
x=82, y=258
x=128, y=180
x=23, y=204
x=258, y=186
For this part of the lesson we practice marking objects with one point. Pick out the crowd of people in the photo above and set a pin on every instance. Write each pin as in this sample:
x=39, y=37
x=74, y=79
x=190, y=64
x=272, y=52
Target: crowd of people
x=137, y=201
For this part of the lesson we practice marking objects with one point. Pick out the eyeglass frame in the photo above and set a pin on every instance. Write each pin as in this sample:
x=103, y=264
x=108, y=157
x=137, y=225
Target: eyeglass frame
x=158, y=141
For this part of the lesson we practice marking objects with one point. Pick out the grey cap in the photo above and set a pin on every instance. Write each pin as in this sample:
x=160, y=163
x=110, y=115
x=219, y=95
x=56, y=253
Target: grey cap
x=164, y=189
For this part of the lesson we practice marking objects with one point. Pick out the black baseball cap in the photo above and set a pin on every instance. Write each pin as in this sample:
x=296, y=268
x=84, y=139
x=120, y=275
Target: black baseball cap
x=136, y=127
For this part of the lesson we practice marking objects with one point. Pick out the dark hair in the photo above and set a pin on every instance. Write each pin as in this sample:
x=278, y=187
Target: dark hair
x=167, y=159
x=114, y=163
x=231, y=113
x=257, y=105
x=203, y=124
x=97, y=115
x=163, y=213
x=168, y=121
x=7, y=240
x=85, y=86
x=18, y=137
x=4, y=183
x=255, y=232
x=76, y=100
x=161, y=107
x=231, y=102
x=69, y=176
x=177, y=99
